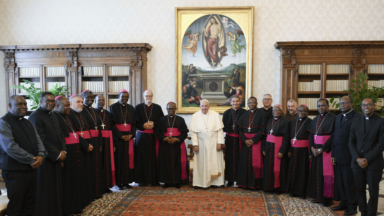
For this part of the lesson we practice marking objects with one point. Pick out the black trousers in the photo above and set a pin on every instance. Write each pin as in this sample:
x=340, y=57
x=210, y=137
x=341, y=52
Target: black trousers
x=345, y=183
x=372, y=178
x=21, y=191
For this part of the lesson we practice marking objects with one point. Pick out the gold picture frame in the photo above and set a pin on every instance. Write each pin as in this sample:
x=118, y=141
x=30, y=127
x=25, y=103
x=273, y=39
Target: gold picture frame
x=214, y=56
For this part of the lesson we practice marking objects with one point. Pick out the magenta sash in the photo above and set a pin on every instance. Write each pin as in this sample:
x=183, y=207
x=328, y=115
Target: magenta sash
x=300, y=143
x=235, y=135
x=157, y=141
x=257, y=157
x=278, y=141
x=327, y=168
x=71, y=139
x=183, y=152
x=127, y=128
x=108, y=134
x=86, y=135
x=94, y=133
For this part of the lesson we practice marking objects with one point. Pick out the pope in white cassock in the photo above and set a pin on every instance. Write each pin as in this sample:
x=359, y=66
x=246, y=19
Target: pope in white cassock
x=207, y=136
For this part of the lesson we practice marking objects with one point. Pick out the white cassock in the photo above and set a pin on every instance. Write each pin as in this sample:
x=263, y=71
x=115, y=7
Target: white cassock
x=208, y=163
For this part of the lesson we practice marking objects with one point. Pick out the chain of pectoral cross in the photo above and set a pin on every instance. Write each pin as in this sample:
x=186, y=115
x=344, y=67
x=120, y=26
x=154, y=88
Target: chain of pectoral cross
x=69, y=125
x=319, y=126
x=233, y=118
x=81, y=124
x=125, y=114
x=298, y=131
x=250, y=124
x=273, y=126
x=172, y=124
x=94, y=119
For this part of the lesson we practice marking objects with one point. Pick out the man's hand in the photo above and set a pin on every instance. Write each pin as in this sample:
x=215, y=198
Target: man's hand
x=314, y=152
x=101, y=148
x=124, y=137
x=174, y=140
x=167, y=139
x=333, y=160
x=218, y=147
x=63, y=155
x=280, y=155
x=38, y=162
x=129, y=137
x=289, y=154
x=62, y=164
x=310, y=157
x=264, y=153
x=150, y=125
x=196, y=149
x=90, y=148
x=114, y=149
x=145, y=126
x=363, y=163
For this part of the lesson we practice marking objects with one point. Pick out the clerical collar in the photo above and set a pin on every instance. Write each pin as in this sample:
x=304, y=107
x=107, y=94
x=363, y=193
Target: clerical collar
x=148, y=105
x=345, y=114
x=252, y=110
x=303, y=118
x=78, y=111
x=171, y=116
x=368, y=117
x=18, y=117
x=122, y=104
x=267, y=108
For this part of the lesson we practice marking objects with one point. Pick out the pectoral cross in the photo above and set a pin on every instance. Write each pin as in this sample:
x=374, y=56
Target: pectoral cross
x=125, y=124
x=315, y=136
x=95, y=127
x=294, y=140
x=103, y=126
x=81, y=133
x=233, y=127
x=170, y=134
x=249, y=129
x=270, y=132
x=74, y=134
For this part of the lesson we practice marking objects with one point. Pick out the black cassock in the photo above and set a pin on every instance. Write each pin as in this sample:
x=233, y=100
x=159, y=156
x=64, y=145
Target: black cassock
x=290, y=117
x=85, y=139
x=107, y=129
x=49, y=186
x=170, y=155
x=322, y=125
x=145, y=144
x=75, y=194
x=268, y=112
x=280, y=128
x=299, y=161
x=124, y=166
x=94, y=123
x=232, y=143
x=256, y=121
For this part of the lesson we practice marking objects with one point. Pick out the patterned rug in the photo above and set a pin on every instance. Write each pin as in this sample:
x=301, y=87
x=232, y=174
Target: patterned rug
x=188, y=201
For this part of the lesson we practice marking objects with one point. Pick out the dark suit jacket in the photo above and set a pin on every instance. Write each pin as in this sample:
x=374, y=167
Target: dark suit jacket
x=368, y=145
x=340, y=138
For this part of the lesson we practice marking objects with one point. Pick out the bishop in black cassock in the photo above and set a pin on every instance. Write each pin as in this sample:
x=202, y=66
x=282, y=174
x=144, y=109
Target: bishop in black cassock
x=148, y=116
x=108, y=130
x=75, y=193
x=125, y=118
x=299, y=154
x=49, y=185
x=275, y=148
x=171, y=132
x=94, y=122
x=232, y=140
x=321, y=175
x=267, y=105
x=251, y=128
x=80, y=123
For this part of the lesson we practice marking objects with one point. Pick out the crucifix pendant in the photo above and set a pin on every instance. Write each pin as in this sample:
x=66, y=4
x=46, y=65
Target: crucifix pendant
x=270, y=132
x=74, y=134
x=81, y=133
x=170, y=134
x=95, y=127
x=233, y=127
x=315, y=136
x=125, y=124
x=294, y=140
x=103, y=126
x=249, y=129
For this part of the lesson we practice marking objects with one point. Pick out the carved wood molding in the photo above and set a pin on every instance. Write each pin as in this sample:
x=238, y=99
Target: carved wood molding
x=322, y=44
x=289, y=58
x=9, y=60
x=359, y=61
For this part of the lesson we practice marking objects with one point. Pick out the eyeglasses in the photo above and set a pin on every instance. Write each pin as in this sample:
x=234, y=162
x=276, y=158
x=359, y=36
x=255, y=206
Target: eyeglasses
x=366, y=105
x=266, y=99
x=148, y=96
x=344, y=103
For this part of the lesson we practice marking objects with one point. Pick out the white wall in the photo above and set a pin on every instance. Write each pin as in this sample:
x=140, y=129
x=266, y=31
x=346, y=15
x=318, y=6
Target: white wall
x=153, y=21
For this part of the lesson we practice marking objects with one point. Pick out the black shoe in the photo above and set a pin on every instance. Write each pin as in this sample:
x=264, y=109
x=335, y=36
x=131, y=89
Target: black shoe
x=293, y=195
x=127, y=186
x=279, y=192
x=230, y=184
x=340, y=207
x=177, y=186
x=350, y=212
x=213, y=186
x=314, y=201
x=303, y=197
x=326, y=204
x=196, y=187
x=107, y=191
x=120, y=187
x=166, y=185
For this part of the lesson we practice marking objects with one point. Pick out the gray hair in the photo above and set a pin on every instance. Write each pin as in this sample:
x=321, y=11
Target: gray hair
x=204, y=100
x=267, y=94
x=235, y=96
x=71, y=98
x=291, y=101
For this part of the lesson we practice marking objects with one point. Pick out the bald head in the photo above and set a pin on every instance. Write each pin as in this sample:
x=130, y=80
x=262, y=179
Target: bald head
x=63, y=106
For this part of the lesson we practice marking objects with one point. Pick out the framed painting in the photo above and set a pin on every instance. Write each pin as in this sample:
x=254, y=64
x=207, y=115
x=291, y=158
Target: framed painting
x=214, y=48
